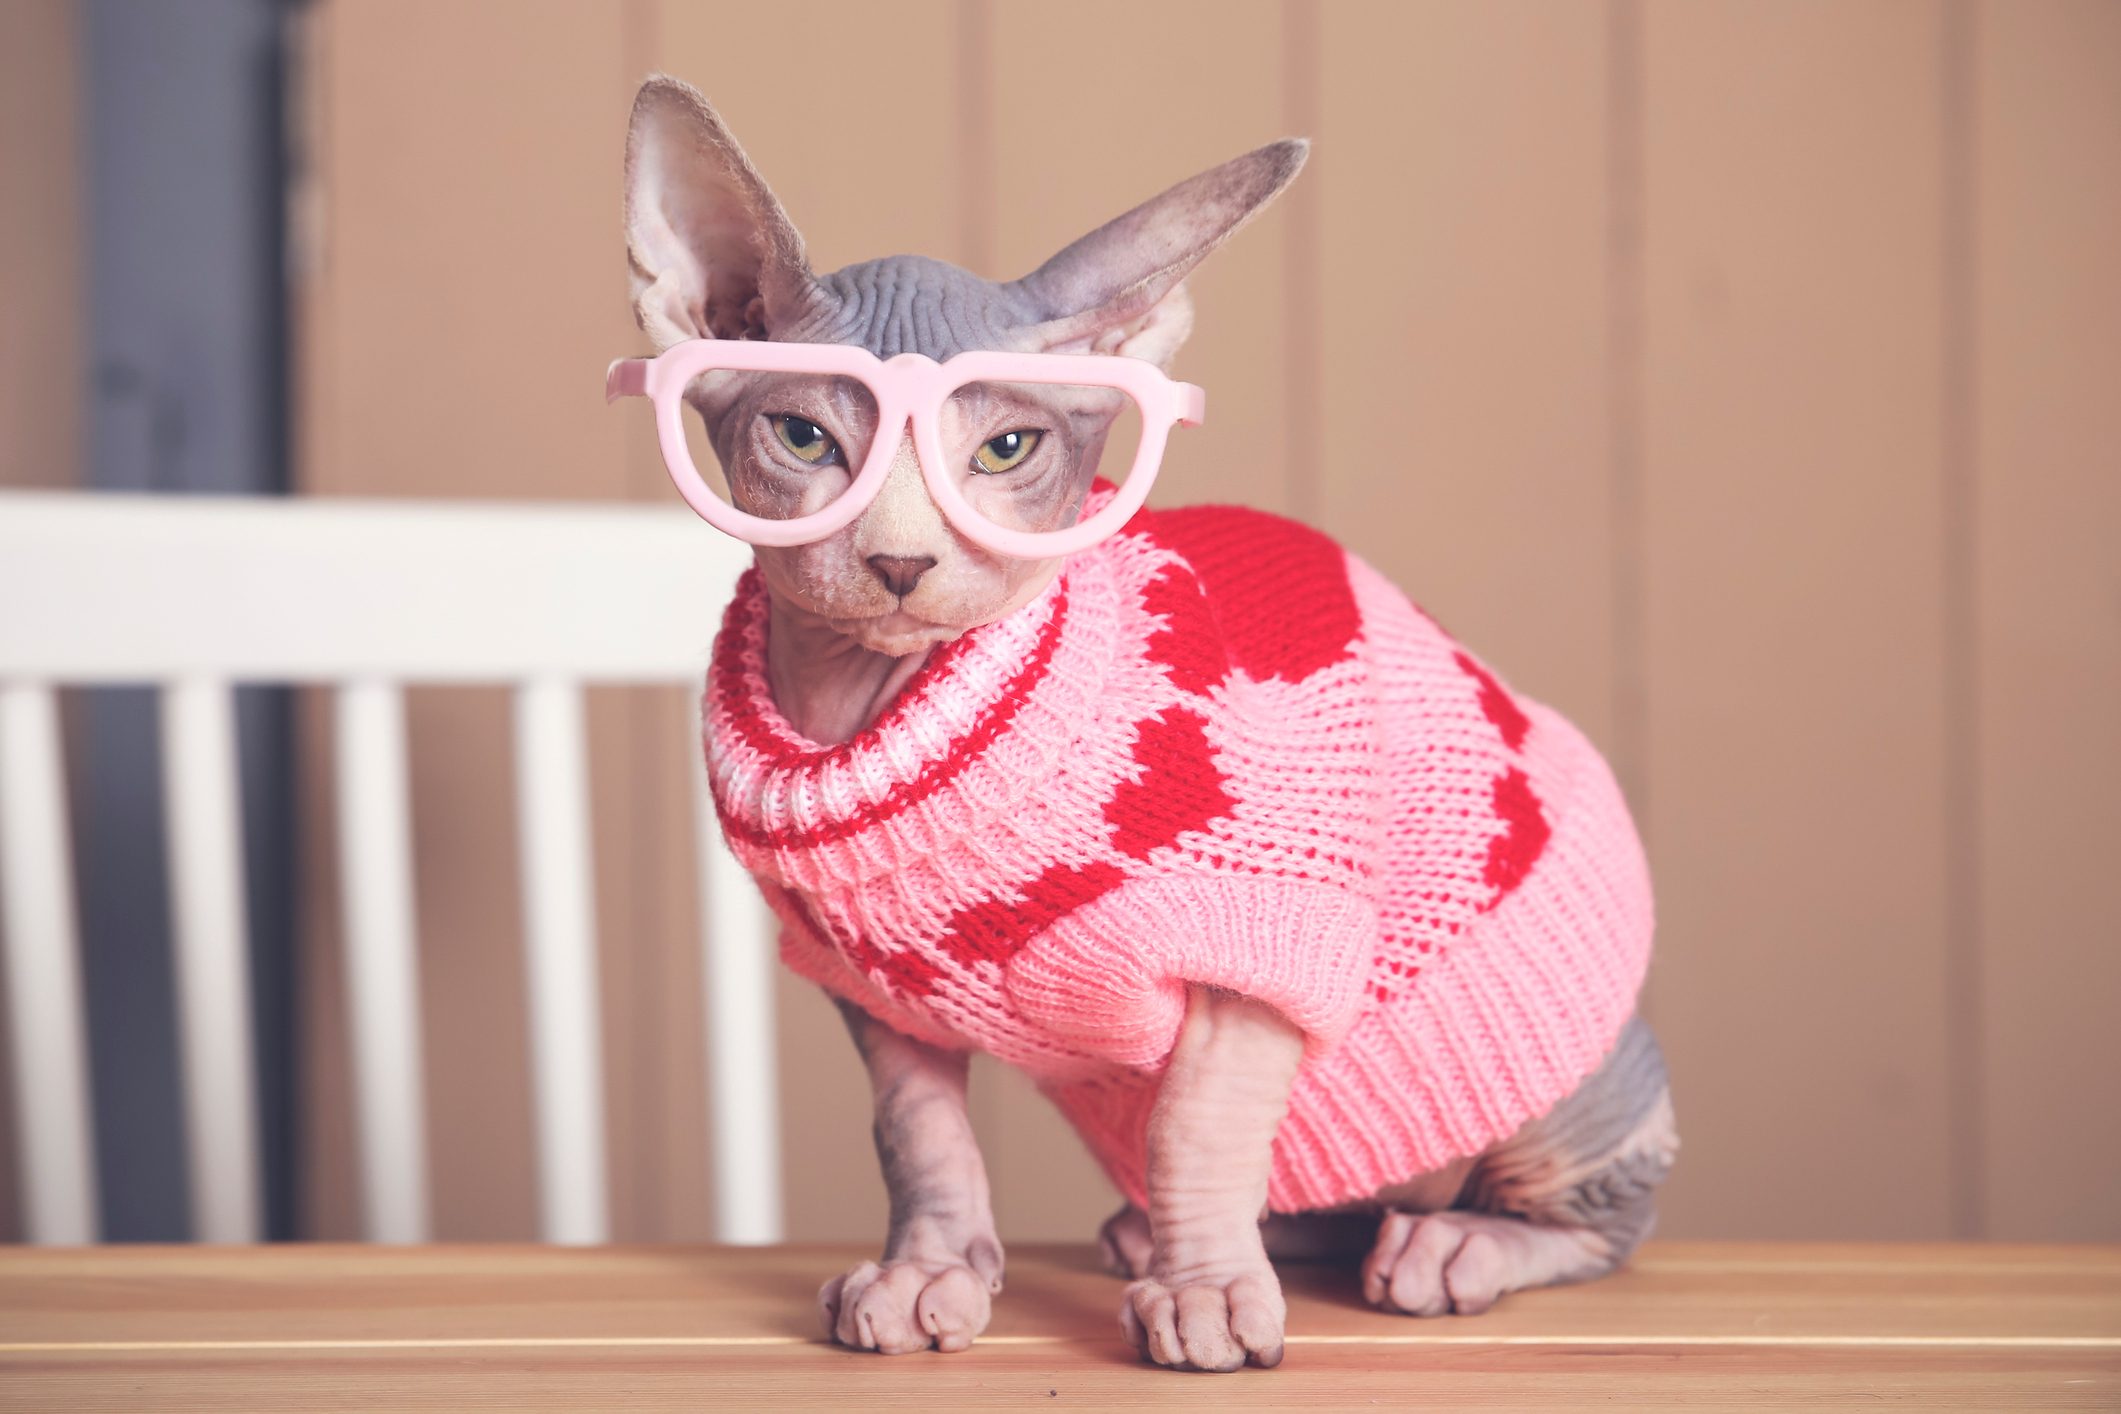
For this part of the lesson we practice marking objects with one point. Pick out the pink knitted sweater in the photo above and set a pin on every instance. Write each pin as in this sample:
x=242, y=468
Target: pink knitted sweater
x=1217, y=749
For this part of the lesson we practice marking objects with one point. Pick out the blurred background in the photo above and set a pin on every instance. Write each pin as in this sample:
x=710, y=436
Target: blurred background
x=1743, y=379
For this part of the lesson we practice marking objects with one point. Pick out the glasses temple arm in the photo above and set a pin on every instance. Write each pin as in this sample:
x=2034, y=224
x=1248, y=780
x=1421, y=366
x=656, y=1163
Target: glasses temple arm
x=626, y=378
x=1193, y=404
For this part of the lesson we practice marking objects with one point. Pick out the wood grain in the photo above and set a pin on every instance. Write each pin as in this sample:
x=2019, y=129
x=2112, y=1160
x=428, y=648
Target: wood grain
x=1479, y=1378
x=463, y=1328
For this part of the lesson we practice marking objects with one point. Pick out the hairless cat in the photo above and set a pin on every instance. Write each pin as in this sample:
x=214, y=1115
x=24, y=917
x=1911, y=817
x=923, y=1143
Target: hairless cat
x=1258, y=1068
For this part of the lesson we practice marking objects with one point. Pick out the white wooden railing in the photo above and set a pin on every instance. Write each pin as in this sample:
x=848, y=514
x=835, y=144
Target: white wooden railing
x=196, y=595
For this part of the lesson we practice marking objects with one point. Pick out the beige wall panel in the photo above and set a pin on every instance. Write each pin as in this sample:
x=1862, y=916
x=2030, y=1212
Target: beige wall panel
x=1062, y=169
x=1046, y=1186
x=849, y=109
x=40, y=248
x=863, y=171
x=1793, y=287
x=470, y=185
x=661, y=1189
x=328, y=1199
x=1463, y=163
x=472, y=988
x=2047, y=181
x=830, y=1180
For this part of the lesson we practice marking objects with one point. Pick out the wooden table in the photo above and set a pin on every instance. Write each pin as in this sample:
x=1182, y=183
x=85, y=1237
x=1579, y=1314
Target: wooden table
x=459, y=1328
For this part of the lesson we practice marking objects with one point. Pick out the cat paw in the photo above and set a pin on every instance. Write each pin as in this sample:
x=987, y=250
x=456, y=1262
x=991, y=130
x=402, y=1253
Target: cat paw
x=900, y=1307
x=1207, y=1325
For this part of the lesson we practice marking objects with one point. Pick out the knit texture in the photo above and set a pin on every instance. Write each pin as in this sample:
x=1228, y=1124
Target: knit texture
x=1217, y=750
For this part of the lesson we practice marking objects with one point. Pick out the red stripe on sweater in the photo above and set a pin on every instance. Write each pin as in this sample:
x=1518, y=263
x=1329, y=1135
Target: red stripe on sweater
x=738, y=705
x=904, y=973
x=995, y=930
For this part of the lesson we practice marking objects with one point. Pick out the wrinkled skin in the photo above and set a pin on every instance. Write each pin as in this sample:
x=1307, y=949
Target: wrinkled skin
x=942, y=1262
x=852, y=619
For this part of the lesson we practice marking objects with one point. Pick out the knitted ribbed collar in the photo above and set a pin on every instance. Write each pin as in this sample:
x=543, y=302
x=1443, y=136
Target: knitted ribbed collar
x=777, y=790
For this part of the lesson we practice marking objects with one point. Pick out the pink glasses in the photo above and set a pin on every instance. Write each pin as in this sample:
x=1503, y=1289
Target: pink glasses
x=814, y=428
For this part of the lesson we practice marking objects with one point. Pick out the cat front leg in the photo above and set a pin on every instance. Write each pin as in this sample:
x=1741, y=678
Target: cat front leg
x=1210, y=1299
x=942, y=1264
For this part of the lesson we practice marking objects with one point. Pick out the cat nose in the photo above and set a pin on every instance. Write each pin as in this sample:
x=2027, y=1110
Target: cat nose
x=901, y=572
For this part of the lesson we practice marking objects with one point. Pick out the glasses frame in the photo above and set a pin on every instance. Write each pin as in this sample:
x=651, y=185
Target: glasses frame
x=909, y=388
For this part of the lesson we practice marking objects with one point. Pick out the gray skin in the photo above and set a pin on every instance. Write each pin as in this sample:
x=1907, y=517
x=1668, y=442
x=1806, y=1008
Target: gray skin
x=854, y=616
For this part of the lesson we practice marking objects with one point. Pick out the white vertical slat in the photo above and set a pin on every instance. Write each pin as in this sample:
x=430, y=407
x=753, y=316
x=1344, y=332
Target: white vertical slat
x=212, y=935
x=736, y=966
x=382, y=972
x=559, y=934
x=48, y=1060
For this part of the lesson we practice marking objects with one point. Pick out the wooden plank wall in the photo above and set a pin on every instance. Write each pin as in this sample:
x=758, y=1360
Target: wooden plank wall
x=2038, y=585
x=1738, y=378
x=1792, y=313
x=40, y=260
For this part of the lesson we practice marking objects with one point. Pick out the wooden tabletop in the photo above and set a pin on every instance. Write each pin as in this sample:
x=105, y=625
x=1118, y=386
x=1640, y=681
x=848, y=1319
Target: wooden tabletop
x=460, y=1328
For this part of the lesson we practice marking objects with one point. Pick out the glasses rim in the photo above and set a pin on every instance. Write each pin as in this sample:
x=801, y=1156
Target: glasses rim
x=910, y=390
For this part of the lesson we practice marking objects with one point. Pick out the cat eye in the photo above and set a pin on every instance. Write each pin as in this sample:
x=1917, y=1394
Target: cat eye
x=805, y=438
x=882, y=404
x=1006, y=452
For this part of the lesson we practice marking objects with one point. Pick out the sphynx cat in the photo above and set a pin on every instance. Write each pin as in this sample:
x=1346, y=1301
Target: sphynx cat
x=1566, y=1198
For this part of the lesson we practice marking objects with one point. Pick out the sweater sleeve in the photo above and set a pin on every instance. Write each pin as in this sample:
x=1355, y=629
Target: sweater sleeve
x=1111, y=977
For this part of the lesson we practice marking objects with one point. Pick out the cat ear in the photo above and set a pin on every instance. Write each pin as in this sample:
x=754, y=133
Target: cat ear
x=712, y=253
x=1119, y=289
